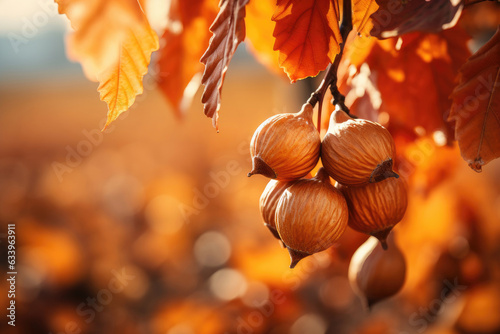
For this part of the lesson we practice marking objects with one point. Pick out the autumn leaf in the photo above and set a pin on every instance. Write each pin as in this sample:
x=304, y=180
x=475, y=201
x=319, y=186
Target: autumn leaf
x=361, y=11
x=260, y=27
x=113, y=41
x=397, y=17
x=307, y=36
x=184, y=41
x=476, y=106
x=410, y=80
x=228, y=32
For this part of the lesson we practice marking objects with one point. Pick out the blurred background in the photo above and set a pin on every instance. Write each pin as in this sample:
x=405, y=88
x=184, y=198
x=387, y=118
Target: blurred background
x=153, y=226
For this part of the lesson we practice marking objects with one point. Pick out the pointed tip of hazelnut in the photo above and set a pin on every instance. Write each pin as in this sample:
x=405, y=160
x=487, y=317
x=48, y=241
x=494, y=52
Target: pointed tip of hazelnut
x=383, y=171
x=259, y=166
x=307, y=110
x=339, y=116
x=296, y=256
x=382, y=236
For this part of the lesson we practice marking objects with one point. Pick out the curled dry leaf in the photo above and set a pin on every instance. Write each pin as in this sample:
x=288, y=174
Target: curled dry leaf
x=395, y=18
x=185, y=40
x=228, y=32
x=307, y=36
x=113, y=41
x=476, y=106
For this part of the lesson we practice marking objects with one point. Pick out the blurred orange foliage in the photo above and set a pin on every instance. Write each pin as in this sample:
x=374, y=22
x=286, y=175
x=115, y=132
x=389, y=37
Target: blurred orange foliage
x=153, y=227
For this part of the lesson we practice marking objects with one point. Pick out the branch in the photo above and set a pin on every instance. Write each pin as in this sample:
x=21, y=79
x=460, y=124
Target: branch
x=330, y=78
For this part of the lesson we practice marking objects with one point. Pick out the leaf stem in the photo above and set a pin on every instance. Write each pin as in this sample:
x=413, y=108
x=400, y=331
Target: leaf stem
x=330, y=78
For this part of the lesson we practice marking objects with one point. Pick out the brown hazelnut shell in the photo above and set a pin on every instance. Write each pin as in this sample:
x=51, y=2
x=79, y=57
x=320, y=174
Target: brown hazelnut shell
x=375, y=208
x=311, y=215
x=269, y=201
x=357, y=151
x=286, y=146
x=376, y=274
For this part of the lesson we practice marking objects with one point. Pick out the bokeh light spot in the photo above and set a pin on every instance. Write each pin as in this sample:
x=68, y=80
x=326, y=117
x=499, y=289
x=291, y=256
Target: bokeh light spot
x=228, y=284
x=163, y=214
x=310, y=324
x=212, y=249
x=257, y=294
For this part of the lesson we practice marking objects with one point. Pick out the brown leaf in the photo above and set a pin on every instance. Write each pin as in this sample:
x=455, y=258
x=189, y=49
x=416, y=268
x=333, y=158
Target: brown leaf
x=361, y=11
x=307, y=36
x=397, y=17
x=113, y=41
x=228, y=32
x=185, y=39
x=481, y=19
x=476, y=106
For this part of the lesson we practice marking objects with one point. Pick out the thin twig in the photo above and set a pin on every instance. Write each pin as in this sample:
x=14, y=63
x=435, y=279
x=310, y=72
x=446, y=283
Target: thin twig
x=330, y=78
x=319, y=94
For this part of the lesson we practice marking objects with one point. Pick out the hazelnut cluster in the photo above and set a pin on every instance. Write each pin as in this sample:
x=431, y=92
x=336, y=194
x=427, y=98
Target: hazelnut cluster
x=309, y=214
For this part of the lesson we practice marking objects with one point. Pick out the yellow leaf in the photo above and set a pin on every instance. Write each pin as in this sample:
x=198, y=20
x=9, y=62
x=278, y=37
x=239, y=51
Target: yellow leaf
x=361, y=11
x=260, y=28
x=113, y=41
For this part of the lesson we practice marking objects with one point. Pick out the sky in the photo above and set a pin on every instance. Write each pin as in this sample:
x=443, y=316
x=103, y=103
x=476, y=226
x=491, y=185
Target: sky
x=17, y=16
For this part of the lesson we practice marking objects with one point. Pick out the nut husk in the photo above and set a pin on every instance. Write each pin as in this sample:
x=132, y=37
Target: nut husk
x=357, y=151
x=376, y=274
x=311, y=215
x=375, y=208
x=286, y=146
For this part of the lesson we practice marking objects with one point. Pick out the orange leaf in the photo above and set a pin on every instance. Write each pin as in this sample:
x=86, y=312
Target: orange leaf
x=113, y=41
x=476, y=106
x=307, y=36
x=361, y=11
x=412, y=83
x=228, y=32
x=260, y=33
x=185, y=39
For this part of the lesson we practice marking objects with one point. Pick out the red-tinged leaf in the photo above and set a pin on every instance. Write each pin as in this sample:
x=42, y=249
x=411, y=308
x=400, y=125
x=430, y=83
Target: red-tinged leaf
x=113, y=41
x=410, y=81
x=476, y=106
x=307, y=36
x=185, y=39
x=361, y=12
x=228, y=32
x=398, y=17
